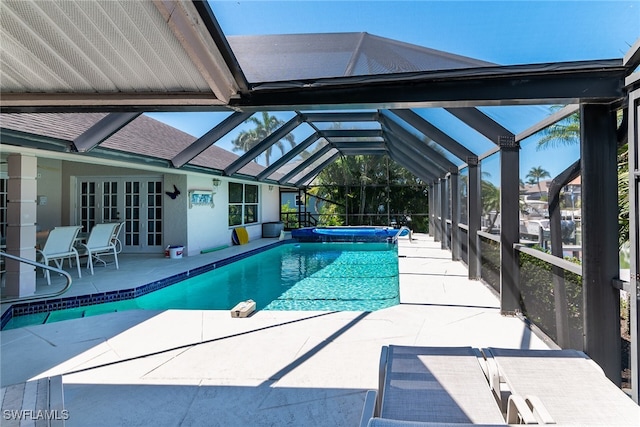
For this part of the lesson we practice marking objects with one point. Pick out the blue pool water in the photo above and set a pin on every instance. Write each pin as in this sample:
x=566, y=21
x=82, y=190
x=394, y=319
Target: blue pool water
x=307, y=276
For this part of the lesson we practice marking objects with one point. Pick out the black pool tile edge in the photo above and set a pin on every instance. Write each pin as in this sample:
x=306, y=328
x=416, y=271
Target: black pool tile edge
x=48, y=305
x=6, y=316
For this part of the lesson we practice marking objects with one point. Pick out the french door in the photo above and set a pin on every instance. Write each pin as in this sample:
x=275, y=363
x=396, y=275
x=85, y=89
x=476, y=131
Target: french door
x=137, y=202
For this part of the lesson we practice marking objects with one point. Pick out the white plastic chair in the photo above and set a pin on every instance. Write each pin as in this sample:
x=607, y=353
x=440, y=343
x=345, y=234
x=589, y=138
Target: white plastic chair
x=59, y=245
x=101, y=242
x=116, y=239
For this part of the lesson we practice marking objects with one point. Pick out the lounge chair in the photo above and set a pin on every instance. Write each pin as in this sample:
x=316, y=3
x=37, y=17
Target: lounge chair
x=101, y=242
x=444, y=385
x=59, y=246
x=571, y=386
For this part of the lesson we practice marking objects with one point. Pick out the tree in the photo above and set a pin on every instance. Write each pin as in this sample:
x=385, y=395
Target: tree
x=537, y=173
x=567, y=132
x=564, y=132
x=490, y=202
x=264, y=127
x=360, y=185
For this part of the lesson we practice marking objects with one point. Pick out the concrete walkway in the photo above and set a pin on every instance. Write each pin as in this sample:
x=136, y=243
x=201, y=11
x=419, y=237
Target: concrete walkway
x=203, y=368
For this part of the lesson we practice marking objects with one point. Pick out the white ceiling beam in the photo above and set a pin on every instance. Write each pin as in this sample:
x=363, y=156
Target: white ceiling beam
x=185, y=22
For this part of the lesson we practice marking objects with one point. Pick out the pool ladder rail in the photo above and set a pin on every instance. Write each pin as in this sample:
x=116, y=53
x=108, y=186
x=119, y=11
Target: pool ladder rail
x=36, y=264
x=394, y=239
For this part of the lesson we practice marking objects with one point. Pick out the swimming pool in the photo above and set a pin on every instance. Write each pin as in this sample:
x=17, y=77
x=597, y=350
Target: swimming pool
x=305, y=276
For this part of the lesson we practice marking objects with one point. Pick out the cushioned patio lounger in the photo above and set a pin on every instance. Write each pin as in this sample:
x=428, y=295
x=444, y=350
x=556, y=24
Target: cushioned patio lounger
x=571, y=386
x=431, y=384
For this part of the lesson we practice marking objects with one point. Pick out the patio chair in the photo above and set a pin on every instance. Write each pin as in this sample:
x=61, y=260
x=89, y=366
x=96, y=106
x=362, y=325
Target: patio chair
x=101, y=242
x=571, y=386
x=431, y=385
x=59, y=246
x=116, y=239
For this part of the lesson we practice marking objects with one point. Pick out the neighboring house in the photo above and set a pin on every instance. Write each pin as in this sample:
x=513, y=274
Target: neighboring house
x=573, y=193
x=534, y=202
x=532, y=192
x=127, y=177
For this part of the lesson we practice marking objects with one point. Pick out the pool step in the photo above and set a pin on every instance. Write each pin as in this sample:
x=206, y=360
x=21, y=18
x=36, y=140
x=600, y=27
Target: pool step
x=53, y=317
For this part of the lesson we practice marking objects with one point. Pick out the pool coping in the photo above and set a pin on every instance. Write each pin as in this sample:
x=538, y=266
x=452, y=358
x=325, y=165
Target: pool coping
x=62, y=303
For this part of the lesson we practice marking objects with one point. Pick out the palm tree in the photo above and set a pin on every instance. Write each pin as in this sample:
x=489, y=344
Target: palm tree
x=564, y=132
x=245, y=141
x=567, y=132
x=490, y=202
x=264, y=127
x=537, y=173
x=360, y=185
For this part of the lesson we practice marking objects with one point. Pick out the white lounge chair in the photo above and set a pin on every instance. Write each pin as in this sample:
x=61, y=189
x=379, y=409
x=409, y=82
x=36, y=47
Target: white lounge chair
x=440, y=385
x=571, y=386
x=59, y=246
x=101, y=242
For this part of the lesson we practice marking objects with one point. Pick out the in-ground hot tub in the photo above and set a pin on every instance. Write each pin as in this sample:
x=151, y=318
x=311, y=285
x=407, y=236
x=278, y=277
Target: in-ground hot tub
x=348, y=234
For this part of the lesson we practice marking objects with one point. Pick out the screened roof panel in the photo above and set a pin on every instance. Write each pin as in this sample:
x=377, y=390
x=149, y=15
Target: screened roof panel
x=312, y=166
x=149, y=140
x=282, y=146
x=195, y=123
x=253, y=130
x=456, y=129
x=342, y=139
x=299, y=159
x=143, y=136
x=350, y=110
x=271, y=58
x=346, y=125
x=218, y=158
x=149, y=137
x=428, y=141
x=55, y=125
x=518, y=118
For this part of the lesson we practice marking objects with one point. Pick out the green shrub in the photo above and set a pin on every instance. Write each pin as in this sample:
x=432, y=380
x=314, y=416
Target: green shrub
x=537, y=298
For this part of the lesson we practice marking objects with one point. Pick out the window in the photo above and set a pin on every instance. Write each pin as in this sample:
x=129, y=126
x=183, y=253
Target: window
x=243, y=204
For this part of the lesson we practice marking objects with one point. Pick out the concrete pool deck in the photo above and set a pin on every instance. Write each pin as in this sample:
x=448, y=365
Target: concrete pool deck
x=204, y=368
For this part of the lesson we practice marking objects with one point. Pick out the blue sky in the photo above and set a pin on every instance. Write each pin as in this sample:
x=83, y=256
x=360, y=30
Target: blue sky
x=503, y=32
